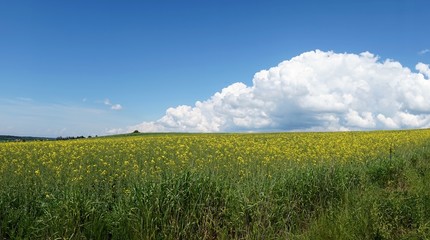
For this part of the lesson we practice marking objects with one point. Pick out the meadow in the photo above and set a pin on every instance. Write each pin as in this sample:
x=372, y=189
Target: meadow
x=344, y=185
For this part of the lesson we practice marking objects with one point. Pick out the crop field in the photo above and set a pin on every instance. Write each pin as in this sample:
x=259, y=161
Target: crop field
x=344, y=185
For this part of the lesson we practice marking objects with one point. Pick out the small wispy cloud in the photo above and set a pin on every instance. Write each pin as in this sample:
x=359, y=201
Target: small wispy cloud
x=33, y=118
x=422, y=52
x=25, y=99
x=107, y=102
x=115, y=106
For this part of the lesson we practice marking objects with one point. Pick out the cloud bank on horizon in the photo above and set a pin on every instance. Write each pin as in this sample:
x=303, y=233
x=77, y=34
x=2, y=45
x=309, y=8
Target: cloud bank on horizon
x=315, y=91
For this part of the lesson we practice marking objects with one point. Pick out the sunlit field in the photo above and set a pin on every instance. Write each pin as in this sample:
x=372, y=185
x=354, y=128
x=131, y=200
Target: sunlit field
x=346, y=185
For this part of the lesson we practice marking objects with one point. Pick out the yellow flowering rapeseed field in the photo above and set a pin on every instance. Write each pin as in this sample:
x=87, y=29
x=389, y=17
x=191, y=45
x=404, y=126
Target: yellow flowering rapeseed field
x=97, y=184
x=109, y=159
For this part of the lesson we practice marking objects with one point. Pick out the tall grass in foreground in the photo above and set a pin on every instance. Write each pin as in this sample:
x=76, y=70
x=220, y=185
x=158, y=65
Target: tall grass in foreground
x=218, y=187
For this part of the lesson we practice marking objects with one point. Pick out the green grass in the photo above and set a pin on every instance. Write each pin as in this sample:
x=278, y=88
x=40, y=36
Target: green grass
x=387, y=198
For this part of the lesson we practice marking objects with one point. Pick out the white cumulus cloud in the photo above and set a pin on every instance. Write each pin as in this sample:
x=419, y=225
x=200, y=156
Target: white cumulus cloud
x=316, y=91
x=423, y=68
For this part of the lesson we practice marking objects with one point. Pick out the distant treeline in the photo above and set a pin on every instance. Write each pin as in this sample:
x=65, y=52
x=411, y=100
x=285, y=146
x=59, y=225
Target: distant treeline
x=7, y=138
x=72, y=138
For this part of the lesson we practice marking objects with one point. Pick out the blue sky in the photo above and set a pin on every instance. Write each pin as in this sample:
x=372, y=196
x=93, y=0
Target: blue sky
x=71, y=68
